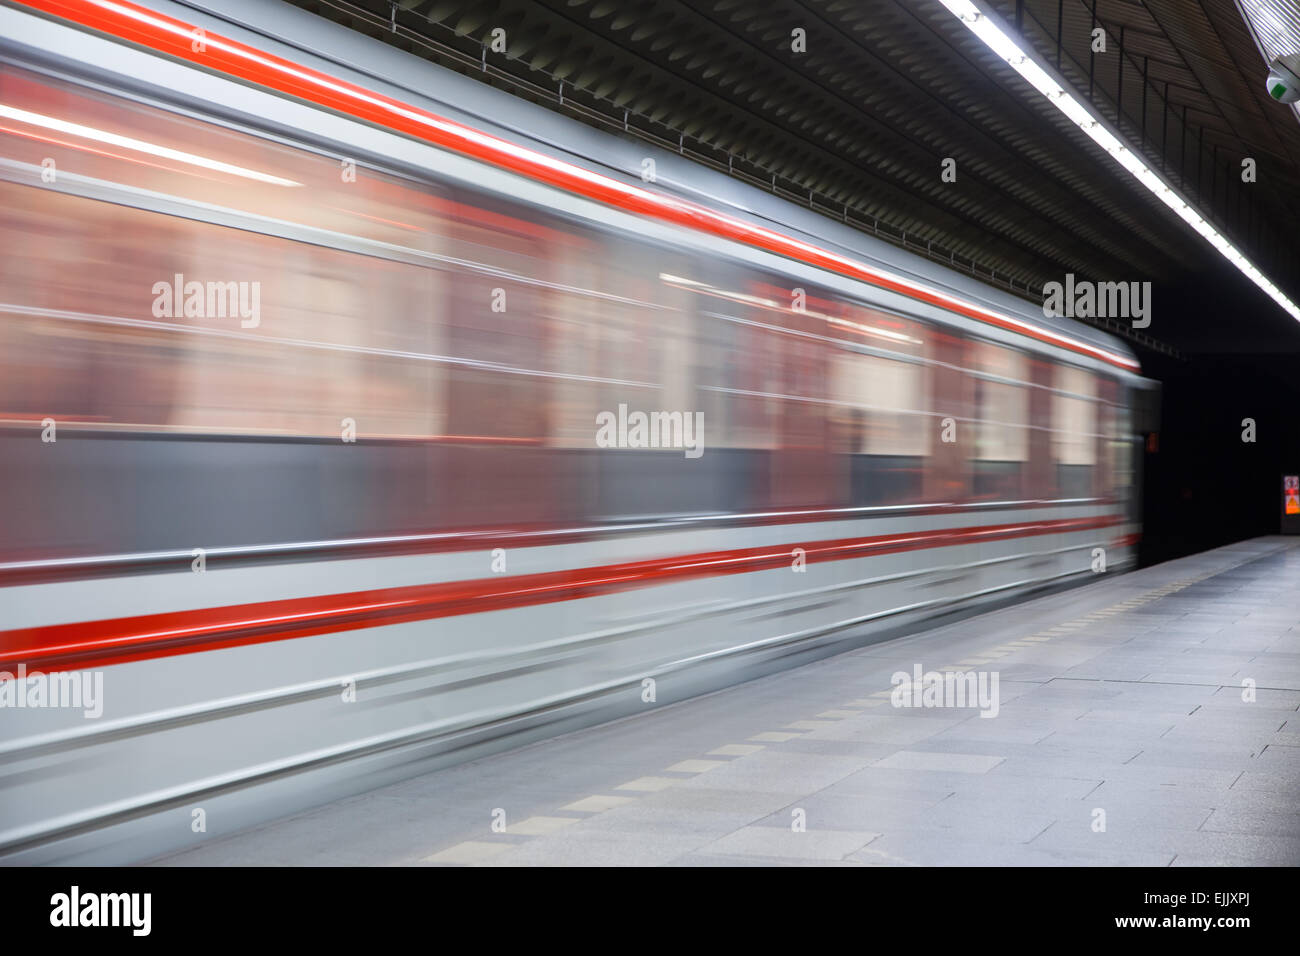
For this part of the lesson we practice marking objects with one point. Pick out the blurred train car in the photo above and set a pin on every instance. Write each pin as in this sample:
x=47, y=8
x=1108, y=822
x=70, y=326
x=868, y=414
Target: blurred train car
x=306, y=383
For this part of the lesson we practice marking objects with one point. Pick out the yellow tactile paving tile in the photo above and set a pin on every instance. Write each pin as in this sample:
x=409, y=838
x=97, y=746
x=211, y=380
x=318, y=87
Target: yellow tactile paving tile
x=810, y=724
x=838, y=714
x=866, y=702
x=647, y=784
x=736, y=750
x=695, y=766
x=775, y=736
x=471, y=851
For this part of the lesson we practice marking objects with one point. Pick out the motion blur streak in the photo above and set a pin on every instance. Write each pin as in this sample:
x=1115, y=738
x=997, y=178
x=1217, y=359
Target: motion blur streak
x=178, y=39
x=97, y=643
x=126, y=142
x=275, y=442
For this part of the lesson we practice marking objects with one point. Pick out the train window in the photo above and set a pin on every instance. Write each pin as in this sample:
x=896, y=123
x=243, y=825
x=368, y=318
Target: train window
x=882, y=397
x=172, y=322
x=739, y=328
x=1002, y=432
x=894, y=394
x=644, y=343
x=496, y=390
x=177, y=324
x=849, y=370
x=1074, y=430
x=623, y=400
x=576, y=341
x=640, y=335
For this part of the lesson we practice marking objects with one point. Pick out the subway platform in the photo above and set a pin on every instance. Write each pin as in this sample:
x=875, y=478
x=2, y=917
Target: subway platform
x=1143, y=719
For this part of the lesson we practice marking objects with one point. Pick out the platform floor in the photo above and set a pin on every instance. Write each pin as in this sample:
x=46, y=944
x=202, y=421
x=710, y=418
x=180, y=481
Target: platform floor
x=1124, y=696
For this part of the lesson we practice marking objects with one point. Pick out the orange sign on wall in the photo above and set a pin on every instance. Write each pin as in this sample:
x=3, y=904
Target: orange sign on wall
x=1291, y=494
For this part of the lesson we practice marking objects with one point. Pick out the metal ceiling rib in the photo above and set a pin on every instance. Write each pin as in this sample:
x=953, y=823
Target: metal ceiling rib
x=1197, y=56
x=857, y=127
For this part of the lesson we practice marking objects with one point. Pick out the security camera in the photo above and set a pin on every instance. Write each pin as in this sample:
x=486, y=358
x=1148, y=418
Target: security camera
x=1284, y=78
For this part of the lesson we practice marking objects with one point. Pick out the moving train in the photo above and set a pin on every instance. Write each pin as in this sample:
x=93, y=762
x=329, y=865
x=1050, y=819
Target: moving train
x=357, y=418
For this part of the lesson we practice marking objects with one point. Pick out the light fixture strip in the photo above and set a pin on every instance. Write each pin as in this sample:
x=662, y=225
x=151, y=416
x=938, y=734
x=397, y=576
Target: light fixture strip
x=986, y=27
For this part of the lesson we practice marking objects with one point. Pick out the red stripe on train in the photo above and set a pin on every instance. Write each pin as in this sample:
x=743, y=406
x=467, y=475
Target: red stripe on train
x=99, y=643
x=175, y=38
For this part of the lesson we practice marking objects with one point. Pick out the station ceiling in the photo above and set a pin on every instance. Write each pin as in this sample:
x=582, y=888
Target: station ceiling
x=859, y=123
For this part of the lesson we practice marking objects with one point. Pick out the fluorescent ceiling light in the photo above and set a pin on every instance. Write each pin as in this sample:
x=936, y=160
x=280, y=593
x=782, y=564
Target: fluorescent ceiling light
x=989, y=31
x=137, y=145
